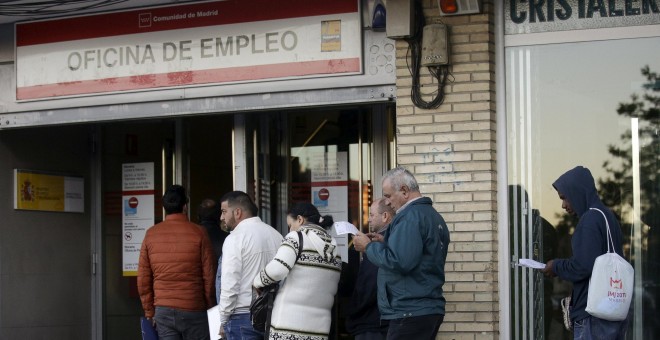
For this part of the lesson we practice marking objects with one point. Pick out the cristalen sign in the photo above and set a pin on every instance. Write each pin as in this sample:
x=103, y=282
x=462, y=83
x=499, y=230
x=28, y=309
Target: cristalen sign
x=534, y=16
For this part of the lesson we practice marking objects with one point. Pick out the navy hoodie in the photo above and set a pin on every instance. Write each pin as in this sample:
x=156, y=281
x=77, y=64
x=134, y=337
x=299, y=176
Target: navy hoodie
x=590, y=238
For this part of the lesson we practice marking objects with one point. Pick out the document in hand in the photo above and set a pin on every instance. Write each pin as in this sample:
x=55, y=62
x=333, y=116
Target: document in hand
x=531, y=264
x=214, y=322
x=148, y=330
x=345, y=228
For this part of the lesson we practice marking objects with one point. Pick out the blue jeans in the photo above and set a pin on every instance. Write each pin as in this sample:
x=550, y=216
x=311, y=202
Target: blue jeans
x=176, y=324
x=593, y=328
x=415, y=327
x=239, y=327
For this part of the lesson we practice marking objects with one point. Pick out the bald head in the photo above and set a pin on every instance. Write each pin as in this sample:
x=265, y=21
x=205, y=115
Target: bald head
x=380, y=215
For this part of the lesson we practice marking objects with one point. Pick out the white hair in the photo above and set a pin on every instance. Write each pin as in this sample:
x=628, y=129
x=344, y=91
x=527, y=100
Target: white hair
x=399, y=177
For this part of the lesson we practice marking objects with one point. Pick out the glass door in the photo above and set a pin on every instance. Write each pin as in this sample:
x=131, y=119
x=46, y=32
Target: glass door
x=331, y=157
x=284, y=150
x=134, y=142
x=593, y=104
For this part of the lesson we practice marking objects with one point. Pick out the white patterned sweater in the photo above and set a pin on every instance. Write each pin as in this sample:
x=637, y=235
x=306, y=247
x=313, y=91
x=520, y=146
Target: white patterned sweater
x=302, y=308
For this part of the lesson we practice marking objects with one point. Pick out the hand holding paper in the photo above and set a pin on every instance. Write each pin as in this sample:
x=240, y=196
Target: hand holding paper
x=360, y=241
x=531, y=264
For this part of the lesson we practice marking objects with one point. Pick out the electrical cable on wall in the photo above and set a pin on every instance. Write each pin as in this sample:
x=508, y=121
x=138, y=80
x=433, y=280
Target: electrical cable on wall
x=439, y=72
x=36, y=9
x=54, y=7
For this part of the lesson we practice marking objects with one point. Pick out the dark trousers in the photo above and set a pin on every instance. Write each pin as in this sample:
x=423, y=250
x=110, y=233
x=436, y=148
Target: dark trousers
x=175, y=324
x=370, y=336
x=415, y=327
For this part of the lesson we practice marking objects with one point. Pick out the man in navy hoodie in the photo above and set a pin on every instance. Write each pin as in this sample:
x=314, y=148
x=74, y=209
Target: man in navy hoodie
x=411, y=260
x=577, y=190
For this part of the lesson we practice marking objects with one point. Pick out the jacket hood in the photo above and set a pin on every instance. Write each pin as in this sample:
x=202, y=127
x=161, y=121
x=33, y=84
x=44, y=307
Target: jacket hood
x=324, y=244
x=578, y=187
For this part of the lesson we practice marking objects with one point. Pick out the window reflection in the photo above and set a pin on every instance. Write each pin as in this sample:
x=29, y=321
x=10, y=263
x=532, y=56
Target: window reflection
x=325, y=138
x=584, y=104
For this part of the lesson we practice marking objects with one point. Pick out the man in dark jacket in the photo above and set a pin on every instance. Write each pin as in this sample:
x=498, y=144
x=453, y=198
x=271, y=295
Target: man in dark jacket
x=411, y=260
x=176, y=272
x=209, y=218
x=577, y=190
x=208, y=214
x=363, y=321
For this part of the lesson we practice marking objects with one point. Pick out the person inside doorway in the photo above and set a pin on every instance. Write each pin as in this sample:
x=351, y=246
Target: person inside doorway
x=208, y=214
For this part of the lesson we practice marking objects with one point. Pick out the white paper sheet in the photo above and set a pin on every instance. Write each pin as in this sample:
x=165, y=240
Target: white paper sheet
x=531, y=264
x=214, y=322
x=342, y=228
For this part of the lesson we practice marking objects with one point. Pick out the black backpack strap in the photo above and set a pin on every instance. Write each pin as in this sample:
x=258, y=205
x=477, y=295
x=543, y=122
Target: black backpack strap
x=300, y=245
x=273, y=288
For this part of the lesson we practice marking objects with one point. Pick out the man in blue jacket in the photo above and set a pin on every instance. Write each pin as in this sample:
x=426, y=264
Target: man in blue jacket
x=577, y=191
x=411, y=260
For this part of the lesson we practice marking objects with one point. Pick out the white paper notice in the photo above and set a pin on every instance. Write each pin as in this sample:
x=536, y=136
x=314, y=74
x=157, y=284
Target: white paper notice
x=138, y=183
x=214, y=322
x=345, y=228
x=531, y=264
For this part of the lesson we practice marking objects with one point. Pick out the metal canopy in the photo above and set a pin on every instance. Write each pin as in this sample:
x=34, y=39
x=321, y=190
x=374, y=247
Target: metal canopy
x=199, y=106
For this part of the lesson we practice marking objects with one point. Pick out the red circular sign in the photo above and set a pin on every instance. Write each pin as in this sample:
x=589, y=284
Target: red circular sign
x=324, y=194
x=133, y=202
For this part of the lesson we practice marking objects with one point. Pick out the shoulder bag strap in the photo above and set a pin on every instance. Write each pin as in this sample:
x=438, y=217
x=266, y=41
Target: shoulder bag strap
x=300, y=245
x=609, y=235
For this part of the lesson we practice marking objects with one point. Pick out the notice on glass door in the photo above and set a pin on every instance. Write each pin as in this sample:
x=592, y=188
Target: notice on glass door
x=329, y=173
x=137, y=211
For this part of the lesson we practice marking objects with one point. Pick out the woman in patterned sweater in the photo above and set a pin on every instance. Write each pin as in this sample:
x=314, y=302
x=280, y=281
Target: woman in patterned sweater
x=303, y=304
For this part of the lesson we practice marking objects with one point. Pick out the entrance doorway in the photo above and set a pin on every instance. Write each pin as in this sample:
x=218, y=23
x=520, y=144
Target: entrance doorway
x=274, y=156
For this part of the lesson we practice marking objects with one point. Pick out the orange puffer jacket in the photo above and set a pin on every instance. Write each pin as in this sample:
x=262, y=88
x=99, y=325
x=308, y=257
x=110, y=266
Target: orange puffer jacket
x=177, y=267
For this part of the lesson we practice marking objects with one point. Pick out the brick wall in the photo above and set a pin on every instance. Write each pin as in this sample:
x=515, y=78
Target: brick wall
x=451, y=151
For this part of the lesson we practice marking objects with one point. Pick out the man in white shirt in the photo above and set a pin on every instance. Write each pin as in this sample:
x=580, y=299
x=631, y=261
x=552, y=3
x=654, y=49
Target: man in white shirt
x=250, y=245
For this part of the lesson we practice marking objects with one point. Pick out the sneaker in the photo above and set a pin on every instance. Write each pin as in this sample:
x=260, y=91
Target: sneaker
x=566, y=310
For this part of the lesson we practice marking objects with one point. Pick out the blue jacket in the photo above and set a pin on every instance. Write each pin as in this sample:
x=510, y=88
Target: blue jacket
x=590, y=238
x=411, y=262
